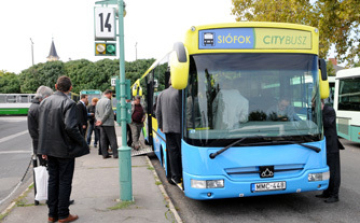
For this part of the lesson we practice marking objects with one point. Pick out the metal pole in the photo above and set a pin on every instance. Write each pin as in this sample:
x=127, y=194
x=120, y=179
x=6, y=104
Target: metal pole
x=32, y=51
x=124, y=150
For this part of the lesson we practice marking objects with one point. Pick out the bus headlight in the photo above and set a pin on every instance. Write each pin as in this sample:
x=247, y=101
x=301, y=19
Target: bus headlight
x=202, y=184
x=318, y=176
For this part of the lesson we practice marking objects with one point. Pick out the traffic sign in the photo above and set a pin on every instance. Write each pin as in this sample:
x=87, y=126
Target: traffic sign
x=105, y=23
x=105, y=49
x=113, y=81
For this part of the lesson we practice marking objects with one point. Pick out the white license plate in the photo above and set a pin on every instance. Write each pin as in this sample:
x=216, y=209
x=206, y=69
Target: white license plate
x=271, y=186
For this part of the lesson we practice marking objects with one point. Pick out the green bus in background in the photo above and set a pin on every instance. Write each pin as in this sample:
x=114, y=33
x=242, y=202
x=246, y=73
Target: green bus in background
x=15, y=104
x=91, y=94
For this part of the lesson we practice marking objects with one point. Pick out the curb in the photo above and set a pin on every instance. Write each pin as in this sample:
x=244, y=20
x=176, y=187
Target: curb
x=12, y=205
x=166, y=196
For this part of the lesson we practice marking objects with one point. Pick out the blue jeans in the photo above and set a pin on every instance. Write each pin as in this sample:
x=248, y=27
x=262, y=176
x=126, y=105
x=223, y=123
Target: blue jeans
x=61, y=171
x=91, y=128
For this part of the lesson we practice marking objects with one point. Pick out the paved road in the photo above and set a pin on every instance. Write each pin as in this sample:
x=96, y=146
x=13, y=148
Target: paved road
x=15, y=154
x=295, y=208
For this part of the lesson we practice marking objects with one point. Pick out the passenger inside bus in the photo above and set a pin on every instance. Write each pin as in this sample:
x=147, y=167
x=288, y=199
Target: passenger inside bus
x=229, y=107
x=283, y=111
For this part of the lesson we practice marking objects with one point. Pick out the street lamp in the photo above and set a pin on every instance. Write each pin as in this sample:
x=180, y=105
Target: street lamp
x=32, y=51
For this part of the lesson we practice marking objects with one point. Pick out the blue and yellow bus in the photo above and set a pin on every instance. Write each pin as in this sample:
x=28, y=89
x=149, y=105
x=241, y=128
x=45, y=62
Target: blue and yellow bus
x=232, y=146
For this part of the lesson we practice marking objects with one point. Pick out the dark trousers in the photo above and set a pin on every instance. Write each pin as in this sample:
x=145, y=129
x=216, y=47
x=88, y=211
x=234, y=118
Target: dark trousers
x=108, y=137
x=90, y=130
x=61, y=171
x=333, y=161
x=173, y=147
x=129, y=136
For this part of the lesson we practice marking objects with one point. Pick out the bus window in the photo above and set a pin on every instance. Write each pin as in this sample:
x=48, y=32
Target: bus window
x=11, y=99
x=2, y=98
x=349, y=95
x=23, y=99
x=227, y=98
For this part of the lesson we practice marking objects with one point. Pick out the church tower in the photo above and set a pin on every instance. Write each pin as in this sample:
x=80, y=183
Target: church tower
x=52, y=55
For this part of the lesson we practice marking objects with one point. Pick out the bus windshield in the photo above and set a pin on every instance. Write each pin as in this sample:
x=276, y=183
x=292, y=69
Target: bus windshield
x=258, y=96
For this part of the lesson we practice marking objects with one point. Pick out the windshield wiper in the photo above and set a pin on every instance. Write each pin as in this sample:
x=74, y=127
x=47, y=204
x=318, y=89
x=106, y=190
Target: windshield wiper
x=213, y=155
x=316, y=149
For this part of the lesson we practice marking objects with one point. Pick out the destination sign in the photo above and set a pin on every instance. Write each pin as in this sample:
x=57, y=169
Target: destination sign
x=254, y=38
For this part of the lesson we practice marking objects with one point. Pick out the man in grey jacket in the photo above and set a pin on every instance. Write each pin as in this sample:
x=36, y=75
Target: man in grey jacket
x=104, y=115
x=168, y=118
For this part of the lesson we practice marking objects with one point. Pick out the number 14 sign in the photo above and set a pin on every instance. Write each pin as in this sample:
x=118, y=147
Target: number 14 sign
x=104, y=23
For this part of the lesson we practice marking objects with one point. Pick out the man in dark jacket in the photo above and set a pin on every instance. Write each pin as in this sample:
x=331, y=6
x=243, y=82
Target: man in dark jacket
x=33, y=118
x=91, y=111
x=332, y=154
x=83, y=114
x=60, y=141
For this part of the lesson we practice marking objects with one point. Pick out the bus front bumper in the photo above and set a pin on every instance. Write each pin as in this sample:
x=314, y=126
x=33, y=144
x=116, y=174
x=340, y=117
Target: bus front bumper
x=216, y=187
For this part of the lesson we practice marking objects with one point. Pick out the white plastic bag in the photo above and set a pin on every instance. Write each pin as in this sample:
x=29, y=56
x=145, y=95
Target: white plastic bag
x=41, y=178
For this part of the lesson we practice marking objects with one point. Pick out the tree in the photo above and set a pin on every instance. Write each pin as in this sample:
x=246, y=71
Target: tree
x=9, y=82
x=338, y=21
x=83, y=73
x=30, y=79
x=330, y=69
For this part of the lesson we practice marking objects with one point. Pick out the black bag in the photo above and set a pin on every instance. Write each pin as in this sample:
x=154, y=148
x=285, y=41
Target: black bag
x=79, y=150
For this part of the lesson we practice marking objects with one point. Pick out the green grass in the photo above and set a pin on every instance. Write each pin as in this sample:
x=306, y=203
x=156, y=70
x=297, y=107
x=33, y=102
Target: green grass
x=121, y=205
x=158, y=182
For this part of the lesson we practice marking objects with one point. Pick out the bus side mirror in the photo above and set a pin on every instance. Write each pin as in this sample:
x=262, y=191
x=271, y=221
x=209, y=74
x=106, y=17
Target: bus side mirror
x=323, y=80
x=136, y=89
x=179, y=66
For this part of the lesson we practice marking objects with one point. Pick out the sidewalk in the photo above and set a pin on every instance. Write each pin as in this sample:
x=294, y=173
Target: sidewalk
x=96, y=192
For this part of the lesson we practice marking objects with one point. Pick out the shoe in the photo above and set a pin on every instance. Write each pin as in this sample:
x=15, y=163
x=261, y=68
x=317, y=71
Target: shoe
x=322, y=196
x=70, y=218
x=52, y=219
x=106, y=157
x=71, y=202
x=170, y=181
x=115, y=157
x=176, y=181
x=331, y=200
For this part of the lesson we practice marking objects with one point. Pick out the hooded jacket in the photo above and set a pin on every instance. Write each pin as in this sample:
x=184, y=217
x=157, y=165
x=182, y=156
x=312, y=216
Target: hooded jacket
x=33, y=123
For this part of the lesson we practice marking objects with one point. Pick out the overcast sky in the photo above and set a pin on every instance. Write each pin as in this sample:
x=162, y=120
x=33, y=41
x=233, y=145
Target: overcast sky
x=153, y=24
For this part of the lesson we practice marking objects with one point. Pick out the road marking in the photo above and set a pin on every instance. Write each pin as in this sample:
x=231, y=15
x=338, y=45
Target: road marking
x=13, y=136
x=16, y=151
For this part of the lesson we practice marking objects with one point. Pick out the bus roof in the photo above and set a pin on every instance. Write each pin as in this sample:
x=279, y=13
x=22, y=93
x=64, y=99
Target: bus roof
x=256, y=24
x=346, y=73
